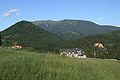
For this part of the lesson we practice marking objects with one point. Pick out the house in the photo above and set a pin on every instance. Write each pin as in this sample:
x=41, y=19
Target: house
x=17, y=47
x=99, y=45
x=73, y=52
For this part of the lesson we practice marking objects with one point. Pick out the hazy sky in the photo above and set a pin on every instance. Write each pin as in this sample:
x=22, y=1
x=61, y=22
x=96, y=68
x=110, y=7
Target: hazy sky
x=99, y=11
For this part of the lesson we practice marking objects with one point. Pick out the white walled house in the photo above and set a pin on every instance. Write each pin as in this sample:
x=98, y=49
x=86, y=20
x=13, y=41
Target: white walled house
x=73, y=52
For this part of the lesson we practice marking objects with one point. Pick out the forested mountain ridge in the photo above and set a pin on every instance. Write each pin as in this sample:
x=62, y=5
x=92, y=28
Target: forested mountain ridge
x=29, y=35
x=74, y=29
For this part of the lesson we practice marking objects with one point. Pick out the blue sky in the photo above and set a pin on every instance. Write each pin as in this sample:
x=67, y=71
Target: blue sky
x=105, y=12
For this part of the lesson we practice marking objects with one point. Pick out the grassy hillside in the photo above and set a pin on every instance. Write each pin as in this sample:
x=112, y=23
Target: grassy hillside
x=23, y=65
x=79, y=26
x=29, y=35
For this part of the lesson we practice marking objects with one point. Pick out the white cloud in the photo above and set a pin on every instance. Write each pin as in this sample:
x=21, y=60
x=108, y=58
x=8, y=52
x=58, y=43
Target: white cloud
x=17, y=14
x=11, y=12
x=6, y=14
x=100, y=18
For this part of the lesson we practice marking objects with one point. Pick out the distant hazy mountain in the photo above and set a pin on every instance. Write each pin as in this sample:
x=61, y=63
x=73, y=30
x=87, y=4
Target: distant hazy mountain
x=72, y=29
x=29, y=35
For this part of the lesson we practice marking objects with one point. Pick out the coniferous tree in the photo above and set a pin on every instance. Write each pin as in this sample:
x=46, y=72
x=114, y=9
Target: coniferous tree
x=0, y=39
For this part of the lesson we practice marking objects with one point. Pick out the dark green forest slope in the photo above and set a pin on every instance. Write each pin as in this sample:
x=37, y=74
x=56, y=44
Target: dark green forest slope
x=29, y=35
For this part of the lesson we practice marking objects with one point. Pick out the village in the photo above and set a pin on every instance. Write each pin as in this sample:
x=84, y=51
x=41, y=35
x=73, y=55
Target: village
x=77, y=52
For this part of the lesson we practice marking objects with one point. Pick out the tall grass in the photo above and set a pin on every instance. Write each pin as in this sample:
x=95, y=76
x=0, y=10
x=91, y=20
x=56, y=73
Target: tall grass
x=23, y=65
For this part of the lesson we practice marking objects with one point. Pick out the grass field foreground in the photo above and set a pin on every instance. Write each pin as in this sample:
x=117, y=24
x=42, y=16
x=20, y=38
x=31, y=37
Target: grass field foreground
x=23, y=65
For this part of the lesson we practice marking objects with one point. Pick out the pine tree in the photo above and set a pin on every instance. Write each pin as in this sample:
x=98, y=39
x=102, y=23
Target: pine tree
x=0, y=39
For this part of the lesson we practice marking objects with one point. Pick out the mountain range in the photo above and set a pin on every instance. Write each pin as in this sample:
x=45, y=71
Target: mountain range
x=74, y=29
x=52, y=35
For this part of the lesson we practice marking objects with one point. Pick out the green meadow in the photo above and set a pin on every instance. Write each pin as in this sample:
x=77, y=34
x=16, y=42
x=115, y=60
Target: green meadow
x=24, y=65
